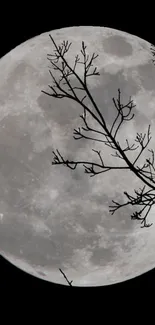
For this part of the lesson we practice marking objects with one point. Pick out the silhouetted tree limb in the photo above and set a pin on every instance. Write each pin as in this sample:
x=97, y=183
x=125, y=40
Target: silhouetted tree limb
x=107, y=135
x=64, y=275
x=59, y=160
x=144, y=199
x=153, y=52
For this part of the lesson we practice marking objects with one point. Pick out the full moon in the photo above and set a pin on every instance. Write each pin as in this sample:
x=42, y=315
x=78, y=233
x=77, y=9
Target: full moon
x=53, y=217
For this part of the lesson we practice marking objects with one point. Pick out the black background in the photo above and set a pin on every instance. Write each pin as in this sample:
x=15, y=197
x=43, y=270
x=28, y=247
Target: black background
x=18, y=24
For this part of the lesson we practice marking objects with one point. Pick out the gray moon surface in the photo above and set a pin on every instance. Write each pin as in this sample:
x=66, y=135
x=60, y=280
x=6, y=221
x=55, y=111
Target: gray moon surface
x=50, y=216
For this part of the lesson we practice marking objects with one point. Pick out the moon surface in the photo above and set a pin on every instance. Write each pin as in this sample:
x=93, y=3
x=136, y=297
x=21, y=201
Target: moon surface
x=52, y=217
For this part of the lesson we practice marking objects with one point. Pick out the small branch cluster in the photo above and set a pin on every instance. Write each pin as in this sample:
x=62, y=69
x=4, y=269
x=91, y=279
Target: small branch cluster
x=143, y=198
x=66, y=70
x=153, y=52
x=120, y=108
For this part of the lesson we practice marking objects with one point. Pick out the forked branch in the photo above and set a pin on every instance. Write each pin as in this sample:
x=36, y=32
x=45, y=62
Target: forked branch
x=63, y=88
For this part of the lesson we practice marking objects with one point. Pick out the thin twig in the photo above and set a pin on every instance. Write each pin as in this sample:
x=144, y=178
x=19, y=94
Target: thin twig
x=69, y=282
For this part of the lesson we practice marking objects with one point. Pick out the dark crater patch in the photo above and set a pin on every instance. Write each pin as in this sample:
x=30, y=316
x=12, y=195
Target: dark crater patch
x=117, y=45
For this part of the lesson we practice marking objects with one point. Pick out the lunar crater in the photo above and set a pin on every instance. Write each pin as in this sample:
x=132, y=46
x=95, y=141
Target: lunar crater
x=117, y=45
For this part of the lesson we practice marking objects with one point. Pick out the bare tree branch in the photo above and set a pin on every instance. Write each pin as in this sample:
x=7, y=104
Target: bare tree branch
x=144, y=199
x=59, y=160
x=64, y=275
x=105, y=135
x=153, y=52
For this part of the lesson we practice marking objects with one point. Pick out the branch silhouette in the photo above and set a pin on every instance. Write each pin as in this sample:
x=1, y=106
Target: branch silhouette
x=64, y=275
x=144, y=198
x=153, y=52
